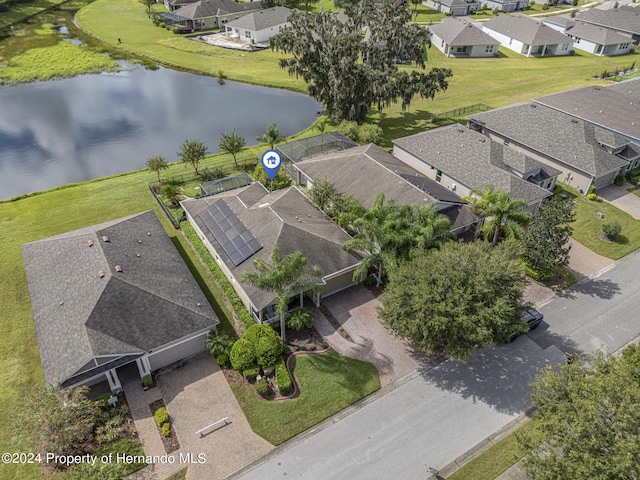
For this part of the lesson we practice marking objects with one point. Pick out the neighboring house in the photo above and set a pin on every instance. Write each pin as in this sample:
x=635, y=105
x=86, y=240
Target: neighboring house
x=463, y=160
x=590, y=38
x=260, y=26
x=613, y=108
x=206, y=14
x=243, y=224
x=527, y=36
x=112, y=294
x=454, y=7
x=365, y=171
x=460, y=38
x=173, y=5
x=577, y=148
x=506, y=6
x=624, y=20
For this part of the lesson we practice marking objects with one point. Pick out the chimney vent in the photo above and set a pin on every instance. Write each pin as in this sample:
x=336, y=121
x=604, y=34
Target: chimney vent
x=105, y=238
x=90, y=243
x=101, y=273
x=118, y=268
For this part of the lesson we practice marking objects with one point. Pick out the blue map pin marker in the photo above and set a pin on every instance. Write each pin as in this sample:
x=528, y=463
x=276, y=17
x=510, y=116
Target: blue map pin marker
x=271, y=162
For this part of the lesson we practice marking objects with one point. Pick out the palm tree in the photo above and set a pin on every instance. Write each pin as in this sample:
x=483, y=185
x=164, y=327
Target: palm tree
x=430, y=229
x=505, y=215
x=285, y=277
x=271, y=135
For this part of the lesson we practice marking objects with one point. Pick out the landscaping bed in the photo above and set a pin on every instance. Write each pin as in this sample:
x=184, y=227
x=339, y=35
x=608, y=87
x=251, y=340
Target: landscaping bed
x=170, y=441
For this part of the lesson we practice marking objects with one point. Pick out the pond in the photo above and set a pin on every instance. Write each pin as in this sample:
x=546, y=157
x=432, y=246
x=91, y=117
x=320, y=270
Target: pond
x=77, y=129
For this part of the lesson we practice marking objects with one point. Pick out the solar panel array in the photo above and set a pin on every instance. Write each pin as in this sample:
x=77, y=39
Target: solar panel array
x=225, y=226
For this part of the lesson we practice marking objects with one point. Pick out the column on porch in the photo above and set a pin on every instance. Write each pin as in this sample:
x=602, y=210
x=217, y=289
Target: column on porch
x=529, y=50
x=144, y=367
x=114, y=381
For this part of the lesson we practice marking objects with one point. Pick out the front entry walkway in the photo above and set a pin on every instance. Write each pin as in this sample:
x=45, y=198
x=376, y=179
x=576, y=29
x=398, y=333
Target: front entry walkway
x=356, y=309
x=196, y=394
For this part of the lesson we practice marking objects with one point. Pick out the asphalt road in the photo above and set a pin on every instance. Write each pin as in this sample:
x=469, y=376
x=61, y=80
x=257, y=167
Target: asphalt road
x=441, y=413
x=603, y=312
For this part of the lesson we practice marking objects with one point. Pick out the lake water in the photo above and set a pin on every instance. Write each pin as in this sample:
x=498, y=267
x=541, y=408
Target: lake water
x=77, y=129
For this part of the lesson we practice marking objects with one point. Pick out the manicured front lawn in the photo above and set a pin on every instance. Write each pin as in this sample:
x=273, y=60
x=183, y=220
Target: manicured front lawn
x=587, y=227
x=328, y=383
x=501, y=456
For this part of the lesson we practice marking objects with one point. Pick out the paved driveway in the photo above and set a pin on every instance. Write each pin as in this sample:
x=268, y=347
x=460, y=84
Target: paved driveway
x=356, y=309
x=196, y=395
x=625, y=201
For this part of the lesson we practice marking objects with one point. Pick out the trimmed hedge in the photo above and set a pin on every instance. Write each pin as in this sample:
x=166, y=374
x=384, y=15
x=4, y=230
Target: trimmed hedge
x=262, y=387
x=161, y=416
x=227, y=288
x=250, y=374
x=285, y=386
x=166, y=429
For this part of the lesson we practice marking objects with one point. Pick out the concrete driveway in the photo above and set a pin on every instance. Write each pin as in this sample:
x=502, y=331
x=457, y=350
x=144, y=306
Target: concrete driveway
x=356, y=310
x=621, y=198
x=196, y=394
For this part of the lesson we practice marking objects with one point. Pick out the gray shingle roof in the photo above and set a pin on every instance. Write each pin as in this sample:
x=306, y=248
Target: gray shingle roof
x=552, y=133
x=79, y=315
x=526, y=30
x=285, y=218
x=461, y=32
x=465, y=156
x=596, y=34
x=216, y=8
x=624, y=18
x=455, y=3
x=615, y=108
x=564, y=21
x=266, y=18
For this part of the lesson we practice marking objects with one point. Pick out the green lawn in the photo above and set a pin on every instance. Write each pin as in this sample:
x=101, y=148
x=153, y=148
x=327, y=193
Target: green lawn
x=499, y=457
x=588, y=226
x=328, y=383
x=425, y=14
x=21, y=11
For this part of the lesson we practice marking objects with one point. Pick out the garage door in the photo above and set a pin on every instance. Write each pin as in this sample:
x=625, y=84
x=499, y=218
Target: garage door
x=335, y=284
x=177, y=352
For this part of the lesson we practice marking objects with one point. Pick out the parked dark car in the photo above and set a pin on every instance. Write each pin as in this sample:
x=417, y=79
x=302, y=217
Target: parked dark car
x=532, y=318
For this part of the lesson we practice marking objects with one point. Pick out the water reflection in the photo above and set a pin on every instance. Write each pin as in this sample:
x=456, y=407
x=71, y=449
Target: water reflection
x=72, y=130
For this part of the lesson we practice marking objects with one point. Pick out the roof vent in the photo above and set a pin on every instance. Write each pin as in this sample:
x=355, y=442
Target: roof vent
x=573, y=120
x=139, y=241
x=533, y=105
x=482, y=140
x=90, y=242
x=138, y=255
x=148, y=234
x=600, y=111
x=199, y=304
x=596, y=88
x=105, y=238
x=101, y=273
x=460, y=130
x=61, y=302
x=118, y=268
x=576, y=109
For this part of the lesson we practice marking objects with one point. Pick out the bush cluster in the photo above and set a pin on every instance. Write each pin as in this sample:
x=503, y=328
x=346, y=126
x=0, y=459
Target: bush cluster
x=365, y=133
x=612, y=229
x=161, y=416
x=228, y=290
x=633, y=176
x=262, y=387
x=259, y=346
x=147, y=381
x=300, y=319
x=619, y=180
x=251, y=373
x=166, y=429
x=285, y=386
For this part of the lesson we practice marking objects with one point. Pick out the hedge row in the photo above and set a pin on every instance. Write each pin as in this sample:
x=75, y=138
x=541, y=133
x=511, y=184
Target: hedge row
x=228, y=290
x=282, y=378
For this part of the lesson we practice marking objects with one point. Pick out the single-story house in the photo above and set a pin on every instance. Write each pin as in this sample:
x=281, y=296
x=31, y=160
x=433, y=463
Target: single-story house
x=625, y=20
x=506, y=6
x=462, y=160
x=460, y=38
x=260, y=26
x=527, y=36
x=173, y=5
x=112, y=294
x=206, y=14
x=354, y=171
x=577, y=148
x=454, y=7
x=241, y=225
x=590, y=38
x=613, y=108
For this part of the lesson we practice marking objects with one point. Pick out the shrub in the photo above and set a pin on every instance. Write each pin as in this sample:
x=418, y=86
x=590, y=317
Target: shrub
x=539, y=275
x=369, y=133
x=166, y=429
x=223, y=360
x=619, y=180
x=592, y=196
x=242, y=355
x=285, y=386
x=311, y=347
x=300, y=319
x=349, y=129
x=612, y=229
x=161, y=416
x=147, y=381
x=209, y=174
x=592, y=189
x=262, y=387
x=250, y=374
x=545, y=6
x=267, y=345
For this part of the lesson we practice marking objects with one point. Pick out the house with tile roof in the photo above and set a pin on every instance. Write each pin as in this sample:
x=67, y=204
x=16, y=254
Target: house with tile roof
x=112, y=294
x=460, y=38
x=259, y=27
x=613, y=109
x=241, y=225
x=454, y=7
x=624, y=20
x=462, y=160
x=207, y=14
x=353, y=172
x=527, y=36
x=581, y=150
x=590, y=38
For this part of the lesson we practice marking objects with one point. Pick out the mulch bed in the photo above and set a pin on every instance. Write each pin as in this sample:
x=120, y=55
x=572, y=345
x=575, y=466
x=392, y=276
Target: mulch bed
x=306, y=339
x=171, y=442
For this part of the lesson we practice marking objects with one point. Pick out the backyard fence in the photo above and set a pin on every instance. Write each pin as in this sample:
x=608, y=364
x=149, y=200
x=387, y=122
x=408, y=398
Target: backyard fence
x=173, y=221
x=458, y=112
